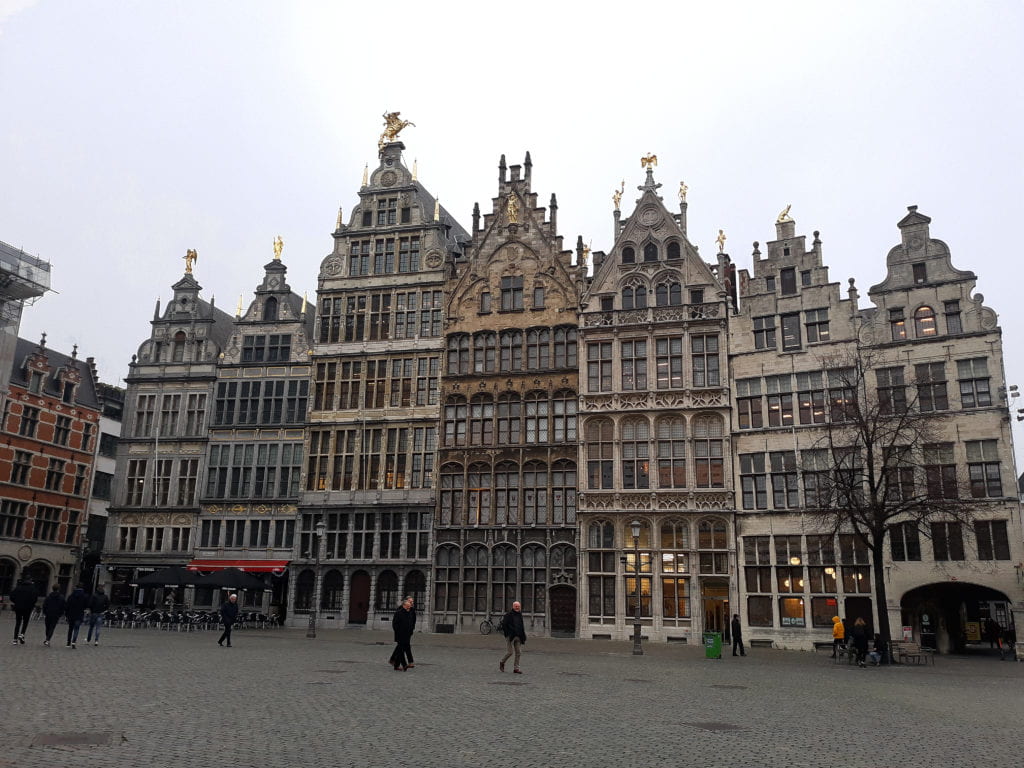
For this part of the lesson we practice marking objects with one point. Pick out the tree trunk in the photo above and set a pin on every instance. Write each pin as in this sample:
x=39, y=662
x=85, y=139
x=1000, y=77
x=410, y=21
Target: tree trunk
x=881, y=601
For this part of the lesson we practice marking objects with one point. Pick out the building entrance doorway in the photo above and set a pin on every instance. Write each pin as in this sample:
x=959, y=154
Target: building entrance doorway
x=359, y=598
x=715, y=596
x=563, y=611
x=951, y=616
x=39, y=574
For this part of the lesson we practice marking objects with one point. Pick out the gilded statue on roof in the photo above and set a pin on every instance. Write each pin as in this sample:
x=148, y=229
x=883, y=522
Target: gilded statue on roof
x=392, y=127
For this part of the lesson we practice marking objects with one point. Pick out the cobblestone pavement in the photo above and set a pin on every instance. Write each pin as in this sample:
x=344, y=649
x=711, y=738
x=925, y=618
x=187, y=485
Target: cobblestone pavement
x=278, y=699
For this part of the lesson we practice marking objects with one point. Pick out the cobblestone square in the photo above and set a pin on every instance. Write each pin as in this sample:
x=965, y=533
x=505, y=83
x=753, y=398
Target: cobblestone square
x=150, y=698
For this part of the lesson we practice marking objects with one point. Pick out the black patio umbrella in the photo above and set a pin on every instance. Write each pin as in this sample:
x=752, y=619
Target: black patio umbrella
x=175, y=576
x=230, y=578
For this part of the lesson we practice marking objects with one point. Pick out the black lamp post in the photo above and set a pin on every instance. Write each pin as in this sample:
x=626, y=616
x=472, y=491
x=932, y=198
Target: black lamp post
x=319, y=534
x=637, y=647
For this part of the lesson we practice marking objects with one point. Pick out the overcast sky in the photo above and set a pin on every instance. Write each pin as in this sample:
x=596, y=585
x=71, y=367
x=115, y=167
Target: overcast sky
x=133, y=131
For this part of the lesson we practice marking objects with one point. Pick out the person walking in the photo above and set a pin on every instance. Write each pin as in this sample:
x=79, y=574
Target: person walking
x=403, y=623
x=74, y=610
x=228, y=614
x=838, y=635
x=53, y=609
x=23, y=598
x=860, y=640
x=737, y=635
x=515, y=635
x=97, y=608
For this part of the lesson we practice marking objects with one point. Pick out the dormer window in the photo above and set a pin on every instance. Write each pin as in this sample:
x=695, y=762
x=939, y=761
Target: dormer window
x=35, y=382
x=628, y=256
x=67, y=393
x=920, y=272
x=673, y=250
x=788, y=278
x=367, y=218
x=178, y=348
x=270, y=309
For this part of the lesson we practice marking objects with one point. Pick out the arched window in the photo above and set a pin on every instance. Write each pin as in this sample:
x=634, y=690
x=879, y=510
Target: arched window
x=478, y=494
x=708, y=457
x=387, y=598
x=506, y=493
x=270, y=309
x=416, y=587
x=650, y=252
x=452, y=488
x=924, y=322
x=458, y=354
x=564, y=405
x=627, y=298
x=534, y=578
x=671, y=435
x=455, y=412
x=511, y=350
x=712, y=534
x=675, y=534
x=634, y=296
x=474, y=579
x=446, y=579
x=601, y=535
x=503, y=579
x=600, y=462
x=628, y=255
x=509, y=419
x=485, y=347
x=535, y=493
x=563, y=492
x=538, y=349
x=636, y=453
x=536, y=417
x=331, y=591
x=304, y=587
x=565, y=348
x=673, y=250
x=481, y=420
x=668, y=294
x=178, y=350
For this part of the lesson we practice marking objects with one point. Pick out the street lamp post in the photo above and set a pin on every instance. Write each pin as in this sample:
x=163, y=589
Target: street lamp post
x=319, y=534
x=637, y=647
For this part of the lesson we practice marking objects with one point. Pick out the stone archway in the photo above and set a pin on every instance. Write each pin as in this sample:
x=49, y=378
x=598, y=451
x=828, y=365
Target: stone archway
x=941, y=614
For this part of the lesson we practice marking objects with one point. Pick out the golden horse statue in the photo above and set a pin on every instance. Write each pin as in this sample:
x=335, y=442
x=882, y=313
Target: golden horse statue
x=392, y=127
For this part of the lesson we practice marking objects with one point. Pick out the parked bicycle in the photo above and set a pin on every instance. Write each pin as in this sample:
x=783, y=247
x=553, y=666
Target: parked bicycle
x=490, y=624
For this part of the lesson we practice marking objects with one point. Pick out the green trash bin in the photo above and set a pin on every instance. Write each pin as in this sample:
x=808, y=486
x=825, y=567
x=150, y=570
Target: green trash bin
x=712, y=645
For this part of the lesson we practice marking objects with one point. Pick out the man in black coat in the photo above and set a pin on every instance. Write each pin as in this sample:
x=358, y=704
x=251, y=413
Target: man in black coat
x=404, y=623
x=737, y=635
x=23, y=598
x=515, y=635
x=53, y=609
x=98, y=605
x=74, y=610
x=228, y=615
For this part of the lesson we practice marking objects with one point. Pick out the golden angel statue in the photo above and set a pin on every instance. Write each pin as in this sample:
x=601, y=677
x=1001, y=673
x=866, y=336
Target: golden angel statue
x=512, y=209
x=721, y=241
x=617, y=194
x=784, y=216
x=682, y=191
x=191, y=257
x=279, y=246
x=649, y=161
x=392, y=126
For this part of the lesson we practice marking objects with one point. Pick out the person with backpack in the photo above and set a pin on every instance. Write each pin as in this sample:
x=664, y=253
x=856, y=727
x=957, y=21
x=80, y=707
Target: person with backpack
x=74, y=610
x=53, y=609
x=515, y=636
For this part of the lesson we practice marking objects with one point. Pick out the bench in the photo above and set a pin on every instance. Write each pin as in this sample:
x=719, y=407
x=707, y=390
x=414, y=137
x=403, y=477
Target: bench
x=904, y=652
x=822, y=645
x=847, y=652
x=762, y=643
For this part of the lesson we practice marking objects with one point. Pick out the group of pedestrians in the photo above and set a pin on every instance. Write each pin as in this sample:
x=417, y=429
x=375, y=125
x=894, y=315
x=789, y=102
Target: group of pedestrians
x=55, y=607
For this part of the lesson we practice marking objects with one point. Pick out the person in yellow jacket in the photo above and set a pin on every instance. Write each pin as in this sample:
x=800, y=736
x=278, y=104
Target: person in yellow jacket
x=838, y=635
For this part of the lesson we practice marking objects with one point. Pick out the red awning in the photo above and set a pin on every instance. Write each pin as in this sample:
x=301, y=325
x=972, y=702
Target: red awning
x=252, y=566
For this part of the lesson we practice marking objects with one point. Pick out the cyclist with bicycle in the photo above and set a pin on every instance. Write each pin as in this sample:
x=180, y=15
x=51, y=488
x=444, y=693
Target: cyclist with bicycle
x=515, y=635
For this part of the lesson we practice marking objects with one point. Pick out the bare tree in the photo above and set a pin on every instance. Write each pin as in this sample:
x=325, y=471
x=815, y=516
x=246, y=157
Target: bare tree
x=876, y=468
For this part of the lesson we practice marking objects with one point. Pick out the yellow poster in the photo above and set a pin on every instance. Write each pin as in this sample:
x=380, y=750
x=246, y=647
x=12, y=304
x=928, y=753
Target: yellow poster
x=973, y=631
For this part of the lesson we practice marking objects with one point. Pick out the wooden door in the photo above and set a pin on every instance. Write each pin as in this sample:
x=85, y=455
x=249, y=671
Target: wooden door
x=563, y=610
x=359, y=598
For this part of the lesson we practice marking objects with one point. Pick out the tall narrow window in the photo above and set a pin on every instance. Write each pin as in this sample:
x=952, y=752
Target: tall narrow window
x=634, y=365
x=951, y=309
x=635, y=445
x=897, y=324
x=974, y=383
x=787, y=281
x=599, y=366
x=791, y=332
x=600, y=444
x=705, y=360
